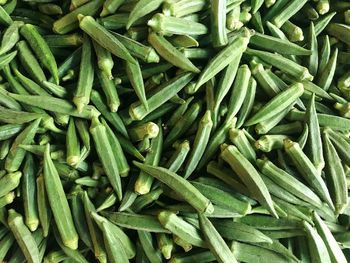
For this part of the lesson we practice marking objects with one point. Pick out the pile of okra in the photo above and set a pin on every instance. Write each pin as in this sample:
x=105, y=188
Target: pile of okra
x=181, y=131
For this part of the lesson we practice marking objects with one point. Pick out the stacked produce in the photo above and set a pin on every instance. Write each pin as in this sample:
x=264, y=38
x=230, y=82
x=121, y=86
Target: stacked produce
x=174, y=131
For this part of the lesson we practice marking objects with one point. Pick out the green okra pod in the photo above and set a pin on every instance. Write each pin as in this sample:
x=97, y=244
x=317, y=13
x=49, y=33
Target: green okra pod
x=176, y=182
x=104, y=38
x=58, y=203
x=23, y=236
x=41, y=49
x=86, y=76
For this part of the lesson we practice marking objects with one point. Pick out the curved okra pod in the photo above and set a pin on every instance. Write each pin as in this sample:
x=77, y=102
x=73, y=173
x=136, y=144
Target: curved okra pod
x=16, y=154
x=240, y=140
x=282, y=63
x=55, y=89
x=10, y=182
x=112, y=117
x=110, y=6
x=110, y=91
x=239, y=91
x=70, y=22
x=106, y=226
x=29, y=61
x=135, y=221
x=133, y=70
x=318, y=249
x=104, y=59
x=144, y=181
x=170, y=53
x=57, y=105
x=314, y=138
x=179, y=184
x=215, y=242
x=225, y=84
x=106, y=156
x=168, y=25
x=240, y=232
x=7, y=101
x=287, y=12
x=199, y=144
x=29, y=194
x=10, y=37
x=179, y=112
x=335, y=176
x=23, y=236
x=325, y=120
x=41, y=49
x=104, y=38
x=178, y=157
x=58, y=203
x=183, y=124
x=332, y=245
x=308, y=170
x=122, y=162
x=327, y=75
x=182, y=229
x=218, y=23
x=153, y=255
x=281, y=46
x=31, y=86
x=137, y=49
x=249, y=176
x=79, y=215
x=233, y=51
x=86, y=76
x=277, y=104
x=223, y=199
x=72, y=145
x=98, y=246
x=218, y=138
x=44, y=211
x=182, y=8
x=164, y=93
